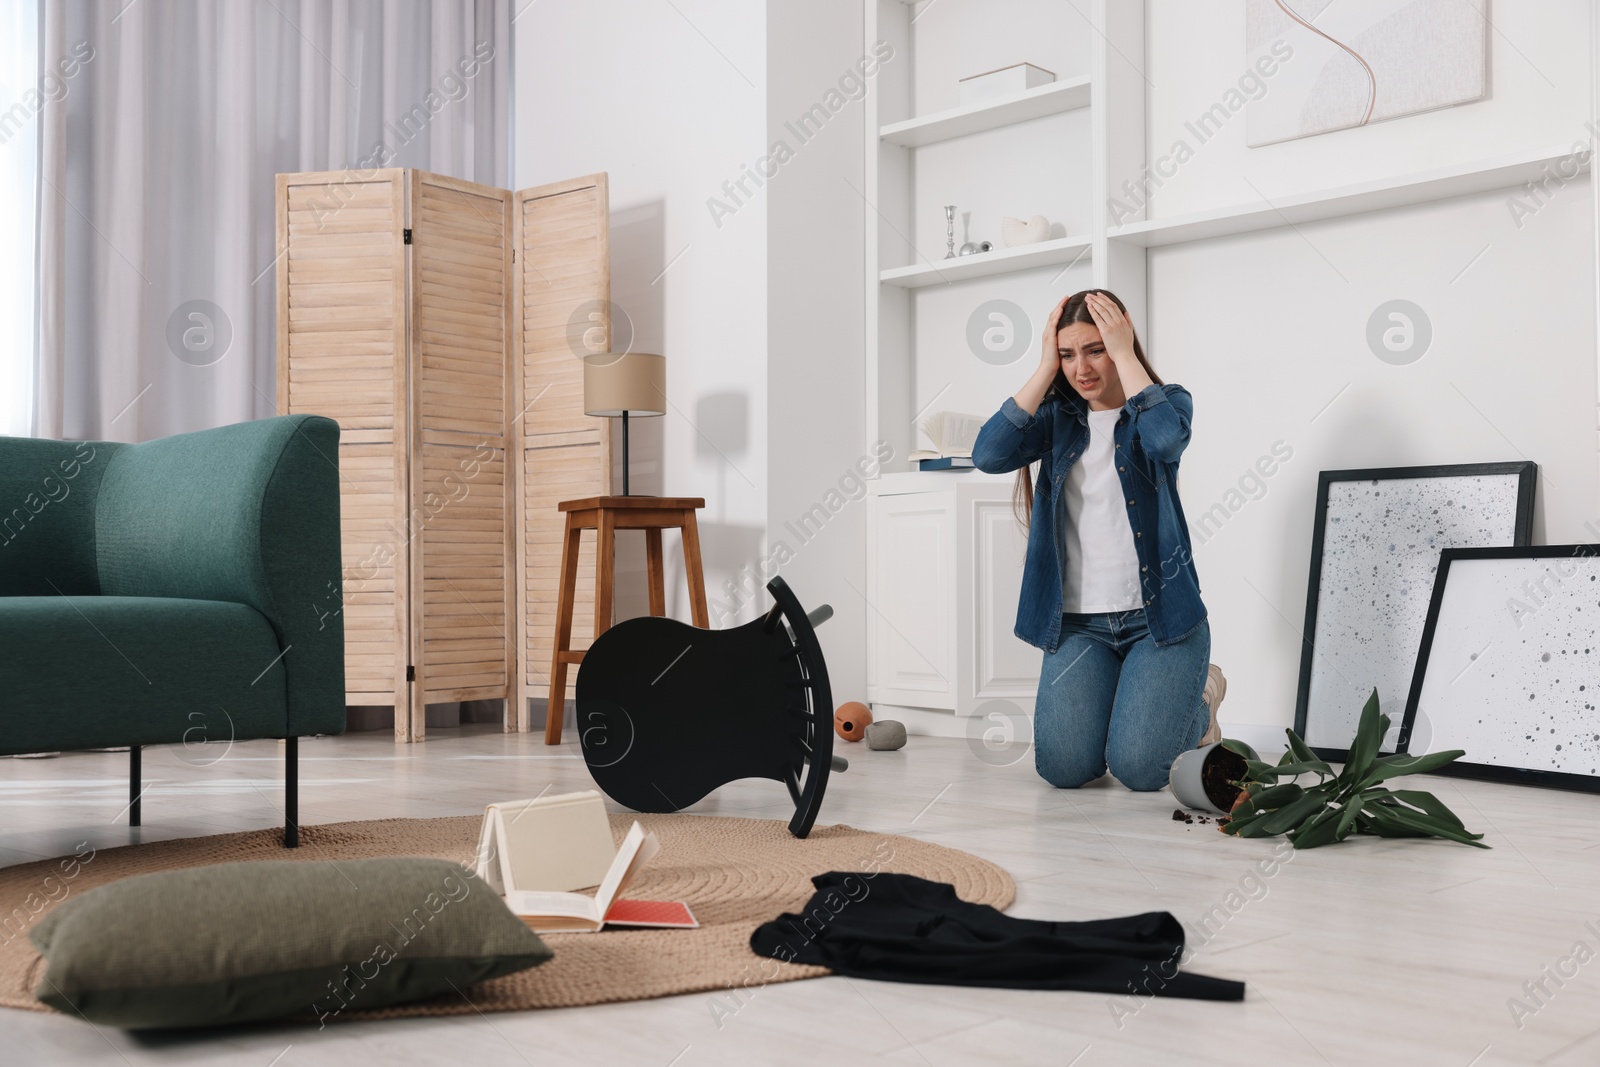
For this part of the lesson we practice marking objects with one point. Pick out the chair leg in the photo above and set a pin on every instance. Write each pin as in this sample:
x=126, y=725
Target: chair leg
x=693, y=572
x=655, y=565
x=605, y=564
x=133, y=785
x=291, y=792
x=555, y=707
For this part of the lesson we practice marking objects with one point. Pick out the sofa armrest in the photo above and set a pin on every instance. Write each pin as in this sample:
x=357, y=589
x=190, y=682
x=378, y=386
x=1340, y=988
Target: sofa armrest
x=47, y=501
x=246, y=513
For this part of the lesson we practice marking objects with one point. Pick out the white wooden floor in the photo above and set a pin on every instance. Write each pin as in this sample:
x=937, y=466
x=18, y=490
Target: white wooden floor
x=1373, y=951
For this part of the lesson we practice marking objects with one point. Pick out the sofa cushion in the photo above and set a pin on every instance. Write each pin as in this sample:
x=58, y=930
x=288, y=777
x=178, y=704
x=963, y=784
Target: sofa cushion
x=238, y=942
x=48, y=491
x=92, y=671
x=247, y=513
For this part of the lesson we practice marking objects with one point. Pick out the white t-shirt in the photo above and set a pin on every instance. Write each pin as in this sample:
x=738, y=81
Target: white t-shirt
x=1102, y=566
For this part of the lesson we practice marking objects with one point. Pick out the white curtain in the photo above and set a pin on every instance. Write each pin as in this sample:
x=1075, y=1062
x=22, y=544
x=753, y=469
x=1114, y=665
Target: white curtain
x=22, y=97
x=156, y=246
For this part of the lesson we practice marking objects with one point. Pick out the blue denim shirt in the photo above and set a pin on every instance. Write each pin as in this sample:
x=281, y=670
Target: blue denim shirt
x=1150, y=435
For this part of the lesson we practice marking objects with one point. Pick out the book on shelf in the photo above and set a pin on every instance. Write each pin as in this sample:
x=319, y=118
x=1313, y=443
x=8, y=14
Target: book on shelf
x=946, y=463
x=556, y=843
x=553, y=913
x=952, y=433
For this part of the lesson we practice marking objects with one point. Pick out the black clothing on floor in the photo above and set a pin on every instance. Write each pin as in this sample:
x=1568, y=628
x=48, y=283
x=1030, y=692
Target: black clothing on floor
x=900, y=928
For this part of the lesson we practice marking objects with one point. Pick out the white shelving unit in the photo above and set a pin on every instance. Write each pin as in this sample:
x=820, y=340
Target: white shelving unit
x=1049, y=99
x=984, y=264
x=1343, y=201
x=905, y=120
x=944, y=550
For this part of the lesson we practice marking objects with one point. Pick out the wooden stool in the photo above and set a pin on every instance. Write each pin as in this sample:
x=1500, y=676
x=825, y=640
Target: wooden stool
x=605, y=515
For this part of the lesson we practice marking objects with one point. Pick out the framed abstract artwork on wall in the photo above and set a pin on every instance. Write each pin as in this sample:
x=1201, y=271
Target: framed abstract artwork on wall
x=1375, y=547
x=1509, y=666
x=1333, y=65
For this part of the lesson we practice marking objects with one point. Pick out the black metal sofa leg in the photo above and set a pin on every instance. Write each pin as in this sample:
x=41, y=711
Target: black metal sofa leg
x=133, y=785
x=291, y=792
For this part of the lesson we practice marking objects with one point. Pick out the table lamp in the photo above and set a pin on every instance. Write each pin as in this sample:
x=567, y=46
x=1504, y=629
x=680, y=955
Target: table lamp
x=627, y=383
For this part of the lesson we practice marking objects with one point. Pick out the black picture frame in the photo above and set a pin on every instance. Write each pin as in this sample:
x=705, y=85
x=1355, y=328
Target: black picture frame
x=1465, y=767
x=1526, y=473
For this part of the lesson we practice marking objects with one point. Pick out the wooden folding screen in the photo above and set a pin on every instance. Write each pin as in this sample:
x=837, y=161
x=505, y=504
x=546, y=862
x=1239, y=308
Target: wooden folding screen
x=462, y=603
x=343, y=328
x=396, y=298
x=563, y=307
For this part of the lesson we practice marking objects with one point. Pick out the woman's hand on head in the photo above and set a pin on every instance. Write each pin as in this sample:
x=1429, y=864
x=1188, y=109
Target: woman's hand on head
x=1033, y=392
x=1116, y=332
x=1050, y=350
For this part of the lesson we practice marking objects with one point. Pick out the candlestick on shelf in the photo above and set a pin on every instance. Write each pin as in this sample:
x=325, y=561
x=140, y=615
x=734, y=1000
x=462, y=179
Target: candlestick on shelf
x=950, y=231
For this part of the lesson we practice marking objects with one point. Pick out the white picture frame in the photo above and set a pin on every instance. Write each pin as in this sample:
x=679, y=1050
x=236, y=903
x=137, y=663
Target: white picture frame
x=1509, y=666
x=1376, y=539
x=1357, y=62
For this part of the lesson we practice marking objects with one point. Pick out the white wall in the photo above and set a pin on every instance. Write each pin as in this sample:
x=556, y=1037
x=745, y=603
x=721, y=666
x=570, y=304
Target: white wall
x=1538, y=98
x=768, y=389
x=817, y=403
x=670, y=100
x=1266, y=329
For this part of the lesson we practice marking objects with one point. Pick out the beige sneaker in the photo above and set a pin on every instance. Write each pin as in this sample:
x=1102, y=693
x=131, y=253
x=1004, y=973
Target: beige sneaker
x=1216, y=688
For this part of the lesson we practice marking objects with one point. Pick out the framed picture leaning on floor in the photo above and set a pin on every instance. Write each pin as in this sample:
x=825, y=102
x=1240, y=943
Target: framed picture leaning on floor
x=1375, y=546
x=1509, y=666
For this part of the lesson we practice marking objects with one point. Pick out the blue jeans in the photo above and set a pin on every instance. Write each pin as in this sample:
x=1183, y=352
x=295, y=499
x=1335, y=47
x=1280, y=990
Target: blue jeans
x=1110, y=697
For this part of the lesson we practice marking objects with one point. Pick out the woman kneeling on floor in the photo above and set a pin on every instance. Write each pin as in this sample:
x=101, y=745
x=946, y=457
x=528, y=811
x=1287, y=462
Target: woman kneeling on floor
x=1109, y=590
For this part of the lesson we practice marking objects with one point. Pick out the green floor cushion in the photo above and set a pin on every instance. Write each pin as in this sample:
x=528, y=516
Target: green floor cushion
x=240, y=942
x=92, y=671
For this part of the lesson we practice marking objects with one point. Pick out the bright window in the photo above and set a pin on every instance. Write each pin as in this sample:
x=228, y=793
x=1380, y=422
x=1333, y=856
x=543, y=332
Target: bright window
x=20, y=104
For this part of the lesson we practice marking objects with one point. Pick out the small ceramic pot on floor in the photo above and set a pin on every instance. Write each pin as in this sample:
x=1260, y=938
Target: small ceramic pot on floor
x=1202, y=778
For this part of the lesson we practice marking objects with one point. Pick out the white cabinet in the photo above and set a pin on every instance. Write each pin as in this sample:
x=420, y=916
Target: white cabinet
x=944, y=570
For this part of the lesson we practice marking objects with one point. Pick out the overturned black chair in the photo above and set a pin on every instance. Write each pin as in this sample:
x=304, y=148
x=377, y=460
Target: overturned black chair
x=667, y=712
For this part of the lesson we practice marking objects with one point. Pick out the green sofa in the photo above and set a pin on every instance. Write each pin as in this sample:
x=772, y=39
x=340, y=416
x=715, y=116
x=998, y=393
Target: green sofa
x=177, y=591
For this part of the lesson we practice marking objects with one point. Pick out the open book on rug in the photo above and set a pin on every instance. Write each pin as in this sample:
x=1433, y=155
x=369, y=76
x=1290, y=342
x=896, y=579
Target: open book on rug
x=554, y=913
x=554, y=843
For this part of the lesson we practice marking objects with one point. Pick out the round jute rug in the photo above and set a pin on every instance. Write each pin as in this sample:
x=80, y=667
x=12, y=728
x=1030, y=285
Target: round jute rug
x=734, y=874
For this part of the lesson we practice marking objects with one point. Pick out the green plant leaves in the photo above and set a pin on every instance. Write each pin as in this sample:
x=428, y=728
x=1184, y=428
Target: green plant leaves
x=1257, y=771
x=1248, y=826
x=1368, y=823
x=1240, y=748
x=1347, y=820
x=1351, y=801
x=1270, y=798
x=1369, y=733
x=1397, y=815
x=1392, y=766
x=1294, y=813
x=1316, y=766
x=1430, y=804
x=1320, y=829
x=1302, y=754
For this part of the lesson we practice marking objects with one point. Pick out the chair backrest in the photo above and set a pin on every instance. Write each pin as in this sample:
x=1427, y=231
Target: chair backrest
x=667, y=712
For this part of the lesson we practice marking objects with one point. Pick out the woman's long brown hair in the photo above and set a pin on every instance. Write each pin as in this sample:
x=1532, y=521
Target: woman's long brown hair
x=1076, y=310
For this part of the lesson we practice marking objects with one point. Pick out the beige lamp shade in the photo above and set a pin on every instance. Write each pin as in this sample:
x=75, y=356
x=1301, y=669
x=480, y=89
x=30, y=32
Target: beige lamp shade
x=632, y=383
